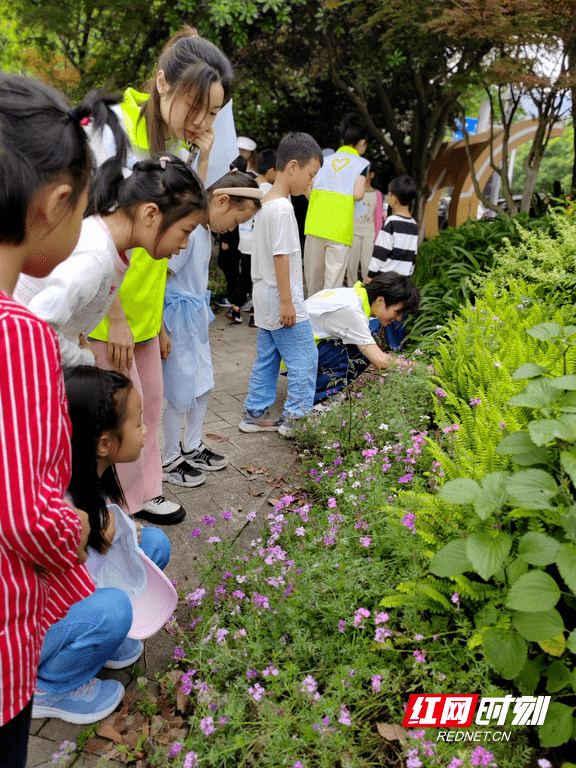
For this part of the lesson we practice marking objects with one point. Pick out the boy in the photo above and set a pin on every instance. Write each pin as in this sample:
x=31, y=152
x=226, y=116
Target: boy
x=344, y=320
x=284, y=331
x=329, y=227
x=241, y=298
x=397, y=242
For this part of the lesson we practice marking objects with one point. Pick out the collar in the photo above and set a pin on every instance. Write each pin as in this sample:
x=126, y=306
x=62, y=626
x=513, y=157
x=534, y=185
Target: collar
x=363, y=294
x=135, y=126
x=349, y=150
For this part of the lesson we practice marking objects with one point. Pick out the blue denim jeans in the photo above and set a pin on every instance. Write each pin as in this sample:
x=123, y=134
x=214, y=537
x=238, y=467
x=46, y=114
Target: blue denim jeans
x=296, y=346
x=76, y=648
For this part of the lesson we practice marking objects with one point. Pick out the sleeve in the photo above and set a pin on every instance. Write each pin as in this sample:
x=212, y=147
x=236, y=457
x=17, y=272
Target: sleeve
x=68, y=289
x=35, y=521
x=72, y=354
x=382, y=248
x=348, y=324
x=284, y=231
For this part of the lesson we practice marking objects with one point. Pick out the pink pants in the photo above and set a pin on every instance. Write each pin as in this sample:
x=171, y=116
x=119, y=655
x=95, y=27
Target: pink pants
x=142, y=479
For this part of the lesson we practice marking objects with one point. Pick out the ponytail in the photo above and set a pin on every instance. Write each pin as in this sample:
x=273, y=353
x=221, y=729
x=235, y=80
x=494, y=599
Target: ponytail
x=166, y=181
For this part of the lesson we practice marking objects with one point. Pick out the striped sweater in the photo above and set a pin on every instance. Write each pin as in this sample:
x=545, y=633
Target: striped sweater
x=37, y=527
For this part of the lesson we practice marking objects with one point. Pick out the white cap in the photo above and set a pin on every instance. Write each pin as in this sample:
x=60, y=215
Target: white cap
x=245, y=143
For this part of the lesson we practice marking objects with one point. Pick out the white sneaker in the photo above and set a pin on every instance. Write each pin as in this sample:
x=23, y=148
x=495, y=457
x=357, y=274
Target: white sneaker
x=180, y=472
x=204, y=459
x=161, y=511
x=248, y=305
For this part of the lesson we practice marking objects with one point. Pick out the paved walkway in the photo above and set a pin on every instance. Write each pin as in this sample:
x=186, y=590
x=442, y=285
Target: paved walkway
x=258, y=465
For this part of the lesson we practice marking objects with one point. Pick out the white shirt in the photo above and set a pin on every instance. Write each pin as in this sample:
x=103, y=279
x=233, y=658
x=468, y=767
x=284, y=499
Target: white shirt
x=275, y=233
x=77, y=294
x=246, y=230
x=338, y=314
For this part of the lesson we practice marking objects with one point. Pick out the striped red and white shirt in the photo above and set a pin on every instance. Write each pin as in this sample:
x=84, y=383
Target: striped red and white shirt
x=36, y=524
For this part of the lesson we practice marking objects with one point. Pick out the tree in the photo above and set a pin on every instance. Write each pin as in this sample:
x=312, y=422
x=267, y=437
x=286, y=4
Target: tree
x=532, y=46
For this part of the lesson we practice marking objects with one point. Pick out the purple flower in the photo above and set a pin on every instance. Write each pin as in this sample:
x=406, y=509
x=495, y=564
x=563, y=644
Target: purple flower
x=475, y=401
x=332, y=502
x=195, y=532
x=221, y=636
x=214, y=540
x=226, y=515
x=365, y=541
x=440, y=392
x=376, y=680
x=344, y=718
x=175, y=748
x=298, y=764
x=250, y=516
x=341, y=625
x=300, y=531
x=455, y=597
x=381, y=634
x=359, y=616
x=208, y=520
x=381, y=618
x=207, y=725
x=223, y=720
x=191, y=760
x=309, y=684
x=179, y=653
x=256, y=691
x=270, y=671
x=420, y=656
x=408, y=521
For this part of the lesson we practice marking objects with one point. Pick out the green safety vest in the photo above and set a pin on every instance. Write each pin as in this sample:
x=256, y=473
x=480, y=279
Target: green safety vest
x=331, y=209
x=142, y=290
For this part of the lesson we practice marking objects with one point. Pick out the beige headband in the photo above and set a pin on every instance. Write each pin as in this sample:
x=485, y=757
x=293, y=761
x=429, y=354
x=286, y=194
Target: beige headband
x=256, y=194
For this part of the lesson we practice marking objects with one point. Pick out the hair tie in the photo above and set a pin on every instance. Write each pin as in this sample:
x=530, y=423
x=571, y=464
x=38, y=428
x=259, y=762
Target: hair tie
x=163, y=160
x=233, y=169
x=256, y=194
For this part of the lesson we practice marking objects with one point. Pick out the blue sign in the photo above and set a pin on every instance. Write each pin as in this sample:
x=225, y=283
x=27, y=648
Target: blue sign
x=471, y=126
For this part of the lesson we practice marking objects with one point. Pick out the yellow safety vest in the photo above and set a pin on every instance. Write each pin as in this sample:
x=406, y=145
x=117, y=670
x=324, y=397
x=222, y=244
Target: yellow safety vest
x=331, y=209
x=142, y=291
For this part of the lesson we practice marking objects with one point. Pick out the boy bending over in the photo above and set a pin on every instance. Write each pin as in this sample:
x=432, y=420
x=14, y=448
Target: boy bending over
x=284, y=331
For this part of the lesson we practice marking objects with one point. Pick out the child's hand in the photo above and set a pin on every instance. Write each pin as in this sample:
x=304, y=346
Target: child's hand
x=138, y=531
x=120, y=344
x=81, y=551
x=83, y=343
x=165, y=344
x=287, y=314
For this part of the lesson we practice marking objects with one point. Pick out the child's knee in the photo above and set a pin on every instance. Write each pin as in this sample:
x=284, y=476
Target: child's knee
x=156, y=545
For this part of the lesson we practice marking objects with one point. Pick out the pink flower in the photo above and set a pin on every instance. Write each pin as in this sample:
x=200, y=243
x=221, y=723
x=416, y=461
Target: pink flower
x=191, y=760
x=365, y=541
x=440, y=392
x=208, y=520
x=344, y=718
x=381, y=634
x=214, y=540
x=195, y=532
x=176, y=747
x=475, y=401
x=331, y=502
x=256, y=691
x=359, y=616
x=221, y=636
x=300, y=531
x=250, y=516
x=341, y=625
x=207, y=725
x=420, y=656
x=381, y=618
x=408, y=521
x=226, y=515
x=376, y=680
x=455, y=597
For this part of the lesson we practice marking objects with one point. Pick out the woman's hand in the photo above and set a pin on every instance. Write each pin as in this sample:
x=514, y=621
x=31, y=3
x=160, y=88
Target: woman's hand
x=204, y=142
x=165, y=345
x=120, y=345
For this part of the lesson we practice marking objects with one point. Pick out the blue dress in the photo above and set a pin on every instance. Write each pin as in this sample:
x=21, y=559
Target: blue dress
x=188, y=371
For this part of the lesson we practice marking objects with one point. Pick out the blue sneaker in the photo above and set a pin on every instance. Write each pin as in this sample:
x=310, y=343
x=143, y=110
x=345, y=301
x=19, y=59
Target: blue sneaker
x=224, y=303
x=127, y=653
x=91, y=702
x=263, y=423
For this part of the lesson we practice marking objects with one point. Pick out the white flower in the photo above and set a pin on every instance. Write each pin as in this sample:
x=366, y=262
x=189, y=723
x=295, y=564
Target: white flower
x=383, y=426
x=339, y=490
x=356, y=484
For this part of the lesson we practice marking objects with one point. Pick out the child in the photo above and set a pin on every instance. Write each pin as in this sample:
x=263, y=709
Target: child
x=284, y=330
x=343, y=321
x=107, y=428
x=366, y=228
x=397, y=244
x=156, y=207
x=191, y=84
x=44, y=172
x=243, y=290
x=329, y=225
x=188, y=373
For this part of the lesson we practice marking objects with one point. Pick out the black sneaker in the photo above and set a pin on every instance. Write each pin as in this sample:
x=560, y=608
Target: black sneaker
x=179, y=472
x=251, y=323
x=204, y=459
x=233, y=314
x=161, y=511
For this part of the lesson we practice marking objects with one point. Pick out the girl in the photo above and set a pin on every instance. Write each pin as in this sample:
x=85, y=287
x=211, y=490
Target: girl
x=156, y=207
x=188, y=374
x=366, y=229
x=191, y=84
x=44, y=172
x=107, y=428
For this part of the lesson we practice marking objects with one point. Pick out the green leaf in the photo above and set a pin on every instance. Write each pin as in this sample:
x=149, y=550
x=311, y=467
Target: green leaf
x=557, y=728
x=532, y=488
x=537, y=548
x=558, y=677
x=528, y=371
x=493, y=495
x=534, y=592
x=546, y=331
x=505, y=651
x=463, y=490
x=568, y=462
x=538, y=626
x=537, y=394
x=543, y=431
x=571, y=641
x=451, y=560
x=566, y=562
x=529, y=677
x=487, y=616
x=530, y=458
x=564, y=382
x=517, y=442
x=487, y=553
x=516, y=569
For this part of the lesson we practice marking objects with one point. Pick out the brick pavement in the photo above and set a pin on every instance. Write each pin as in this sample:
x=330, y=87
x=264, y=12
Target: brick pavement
x=233, y=352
